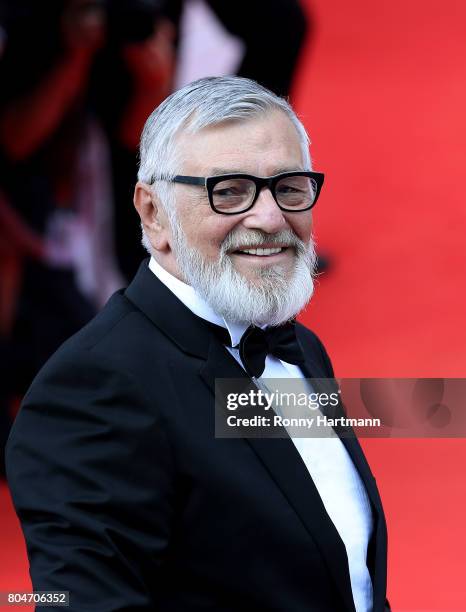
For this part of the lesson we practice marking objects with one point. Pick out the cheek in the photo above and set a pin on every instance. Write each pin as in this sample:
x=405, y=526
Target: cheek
x=212, y=234
x=206, y=230
x=302, y=228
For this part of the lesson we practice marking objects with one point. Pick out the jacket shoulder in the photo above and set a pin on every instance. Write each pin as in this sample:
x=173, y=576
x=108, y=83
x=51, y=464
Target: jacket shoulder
x=119, y=334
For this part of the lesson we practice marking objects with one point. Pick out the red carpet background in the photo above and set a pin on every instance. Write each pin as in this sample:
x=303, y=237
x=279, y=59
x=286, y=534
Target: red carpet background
x=383, y=94
x=382, y=90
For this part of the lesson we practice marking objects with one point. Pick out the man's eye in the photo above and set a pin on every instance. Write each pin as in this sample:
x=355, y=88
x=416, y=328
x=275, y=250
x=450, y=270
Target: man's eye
x=226, y=191
x=229, y=192
x=285, y=189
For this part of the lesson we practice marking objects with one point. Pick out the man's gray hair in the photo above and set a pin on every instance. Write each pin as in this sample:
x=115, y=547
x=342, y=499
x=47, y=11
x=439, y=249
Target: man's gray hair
x=203, y=103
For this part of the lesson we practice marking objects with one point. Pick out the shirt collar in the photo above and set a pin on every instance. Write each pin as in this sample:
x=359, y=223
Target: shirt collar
x=196, y=304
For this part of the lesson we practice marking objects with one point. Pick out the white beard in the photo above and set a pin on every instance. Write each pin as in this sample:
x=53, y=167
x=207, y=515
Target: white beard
x=271, y=299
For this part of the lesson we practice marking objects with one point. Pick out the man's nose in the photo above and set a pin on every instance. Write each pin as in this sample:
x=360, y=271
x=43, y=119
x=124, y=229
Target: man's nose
x=265, y=214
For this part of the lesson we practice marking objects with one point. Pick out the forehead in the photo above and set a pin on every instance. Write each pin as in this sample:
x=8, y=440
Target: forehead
x=262, y=145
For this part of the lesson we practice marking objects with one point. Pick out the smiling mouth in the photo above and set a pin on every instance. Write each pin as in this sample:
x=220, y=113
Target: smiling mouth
x=261, y=252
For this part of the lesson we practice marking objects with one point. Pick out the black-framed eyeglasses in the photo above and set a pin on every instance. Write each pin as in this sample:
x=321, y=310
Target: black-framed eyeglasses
x=232, y=194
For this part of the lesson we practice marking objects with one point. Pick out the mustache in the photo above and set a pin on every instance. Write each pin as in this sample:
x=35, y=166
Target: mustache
x=257, y=238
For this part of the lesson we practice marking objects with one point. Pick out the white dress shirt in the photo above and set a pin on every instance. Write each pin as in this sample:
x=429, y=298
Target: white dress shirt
x=326, y=459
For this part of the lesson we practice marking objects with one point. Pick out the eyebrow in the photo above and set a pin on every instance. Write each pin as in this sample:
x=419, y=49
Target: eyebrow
x=218, y=171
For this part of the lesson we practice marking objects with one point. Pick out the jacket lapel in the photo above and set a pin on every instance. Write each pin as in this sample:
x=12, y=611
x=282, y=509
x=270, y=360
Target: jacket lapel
x=350, y=442
x=190, y=333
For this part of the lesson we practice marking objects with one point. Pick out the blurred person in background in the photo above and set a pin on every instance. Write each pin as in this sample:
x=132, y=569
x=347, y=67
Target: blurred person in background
x=43, y=131
x=56, y=204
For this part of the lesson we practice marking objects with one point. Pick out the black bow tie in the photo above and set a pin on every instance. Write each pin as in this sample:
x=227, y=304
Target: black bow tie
x=257, y=343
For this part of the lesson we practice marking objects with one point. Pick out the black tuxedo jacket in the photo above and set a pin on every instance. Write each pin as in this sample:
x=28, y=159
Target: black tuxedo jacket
x=129, y=502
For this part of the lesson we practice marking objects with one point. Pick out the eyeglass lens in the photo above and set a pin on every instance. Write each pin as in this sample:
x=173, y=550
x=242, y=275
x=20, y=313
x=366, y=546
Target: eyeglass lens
x=237, y=194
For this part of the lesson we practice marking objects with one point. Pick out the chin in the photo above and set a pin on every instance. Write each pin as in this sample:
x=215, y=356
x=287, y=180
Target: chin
x=255, y=276
x=270, y=274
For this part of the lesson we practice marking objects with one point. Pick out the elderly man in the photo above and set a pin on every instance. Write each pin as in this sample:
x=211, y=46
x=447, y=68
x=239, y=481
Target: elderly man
x=126, y=497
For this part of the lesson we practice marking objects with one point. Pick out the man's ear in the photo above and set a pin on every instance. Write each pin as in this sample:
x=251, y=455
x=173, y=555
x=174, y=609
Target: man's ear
x=152, y=215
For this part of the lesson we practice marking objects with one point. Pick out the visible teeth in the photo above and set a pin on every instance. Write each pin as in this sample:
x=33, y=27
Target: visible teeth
x=262, y=252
